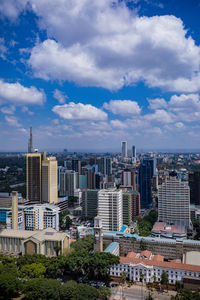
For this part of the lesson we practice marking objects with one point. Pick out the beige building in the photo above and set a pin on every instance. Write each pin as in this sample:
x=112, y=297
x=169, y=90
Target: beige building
x=41, y=178
x=49, y=179
x=31, y=242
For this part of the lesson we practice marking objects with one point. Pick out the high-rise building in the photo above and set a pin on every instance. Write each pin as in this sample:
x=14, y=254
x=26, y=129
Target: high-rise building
x=89, y=203
x=128, y=178
x=110, y=209
x=133, y=154
x=41, y=178
x=135, y=204
x=124, y=149
x=147, y=171
x=76, y=165
x=49, y=179
x=30, y=141
x=174, y=201
x=72, y=182
x=127, y=208
x=38, y=217
x=194, y=183
x=33, y=177
x=82, y=181
x=105, y=165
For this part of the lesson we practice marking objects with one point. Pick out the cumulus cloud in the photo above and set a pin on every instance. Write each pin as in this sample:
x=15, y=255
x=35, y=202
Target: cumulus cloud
x=118, y=124
x=12, y=121
x=19, y=94
x=79, y=111
x=123, y=107
x=9, y=110
x=60, y=96
x=12, y=8
x=108, y=46
x=157, y=103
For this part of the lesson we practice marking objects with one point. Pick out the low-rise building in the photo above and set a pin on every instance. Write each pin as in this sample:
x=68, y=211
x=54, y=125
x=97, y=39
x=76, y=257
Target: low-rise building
x=148, y=267
x=162, y=229
x=32, y=242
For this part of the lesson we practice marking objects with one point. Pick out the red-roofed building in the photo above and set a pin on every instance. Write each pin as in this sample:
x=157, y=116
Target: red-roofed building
x=151, y=265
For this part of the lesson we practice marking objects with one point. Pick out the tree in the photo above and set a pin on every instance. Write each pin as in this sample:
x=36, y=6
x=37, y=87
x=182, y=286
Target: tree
x=85, y=243
x=104, y=292
x=123, y=277
x=143, y=245
x=57, y=248
x=72, y=290
x=35, y=270
x=68, y=222
x=164, y=278
x=149, y=297
x=45, y=289
x=9, y=286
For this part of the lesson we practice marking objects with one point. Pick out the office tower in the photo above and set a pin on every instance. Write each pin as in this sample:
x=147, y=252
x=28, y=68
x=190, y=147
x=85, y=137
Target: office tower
x=135, y=204
x=76, y=165
x=194, y=183
x=146, y=173
x=33, y=177
x=105, y=165
x=82, y=181
x=110, y=209
x=108, y=169
x=14, y=210
x=128, y=178
x=89, y=203
x=30, y=141
x=127, y=208
x=71, y=182
x=124, y=149
x=174, y=201
x=98, y=236
x=97, y=181
x=41, y=216
x=63, y=184
x=133, y=154
x=49, y=179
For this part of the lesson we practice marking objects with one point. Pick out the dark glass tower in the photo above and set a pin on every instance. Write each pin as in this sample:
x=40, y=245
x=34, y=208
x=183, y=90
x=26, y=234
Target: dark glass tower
x=194, y=183
x=147, y=171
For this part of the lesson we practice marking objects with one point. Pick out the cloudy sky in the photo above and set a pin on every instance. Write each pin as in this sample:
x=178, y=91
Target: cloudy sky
x=87, y=74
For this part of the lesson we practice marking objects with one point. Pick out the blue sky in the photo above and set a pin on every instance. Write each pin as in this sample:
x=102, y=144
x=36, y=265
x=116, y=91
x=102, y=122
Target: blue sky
x=89, y=74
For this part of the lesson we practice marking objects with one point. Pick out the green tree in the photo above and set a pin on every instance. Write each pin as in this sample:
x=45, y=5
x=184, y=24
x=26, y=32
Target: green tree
x=57, y=248
x=123, y=277
x=104, y=292
x=9, y=286
x=149, y=297
x=143, y=245
x=42, y=289
x=35, y=270
x=85, y=243
x=68, y=222
x=165, y=278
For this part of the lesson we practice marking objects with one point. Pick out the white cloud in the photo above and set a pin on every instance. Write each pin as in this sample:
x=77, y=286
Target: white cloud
x=19, y=94
x=8, y=109
x=3, y=49
x=160, y=116
x=110, y=47
x=118, y=124
x=12, y=121
x=12, y=8
x=60, y=96
x=157, y=103
x=26, y=110
x=123, y=107
x=79, y=111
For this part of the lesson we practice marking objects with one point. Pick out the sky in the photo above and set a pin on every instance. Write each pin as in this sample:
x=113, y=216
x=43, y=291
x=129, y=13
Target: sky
x=88, y=74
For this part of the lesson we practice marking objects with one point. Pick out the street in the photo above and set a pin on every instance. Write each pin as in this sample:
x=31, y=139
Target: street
x=137, y=292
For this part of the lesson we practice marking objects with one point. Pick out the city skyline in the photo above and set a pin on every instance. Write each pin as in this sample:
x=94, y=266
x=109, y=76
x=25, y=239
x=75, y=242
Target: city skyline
x=114, y=71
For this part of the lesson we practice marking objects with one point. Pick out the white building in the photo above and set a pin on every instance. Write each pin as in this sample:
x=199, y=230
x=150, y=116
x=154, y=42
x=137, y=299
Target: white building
x=110, y=209
x=124, y=149
x=151, y=267
x=38, y=217
x=174, y=202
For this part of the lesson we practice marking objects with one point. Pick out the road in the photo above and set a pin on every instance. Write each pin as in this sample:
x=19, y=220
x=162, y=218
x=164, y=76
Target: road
x=137, y=293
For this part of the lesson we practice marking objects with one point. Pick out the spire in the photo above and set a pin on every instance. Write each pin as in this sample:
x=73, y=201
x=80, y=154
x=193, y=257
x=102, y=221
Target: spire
x=30, y=141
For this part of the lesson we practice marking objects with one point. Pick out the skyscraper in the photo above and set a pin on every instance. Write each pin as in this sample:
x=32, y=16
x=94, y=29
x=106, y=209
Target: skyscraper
x=147, y=171
x=124, y=149
x=89, y=203
x=194, y=183
x=33, y=177
x=174, y=201
x=41, y=178
x=110, y=209
x=30, y=141
x=49, y=179
x=133, y=154
x=127, y=208
x=105, y=165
